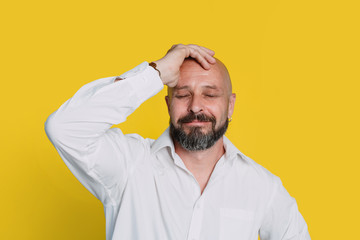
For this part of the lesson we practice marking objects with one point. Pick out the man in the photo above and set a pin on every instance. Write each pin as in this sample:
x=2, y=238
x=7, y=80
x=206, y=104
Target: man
x=191, y=183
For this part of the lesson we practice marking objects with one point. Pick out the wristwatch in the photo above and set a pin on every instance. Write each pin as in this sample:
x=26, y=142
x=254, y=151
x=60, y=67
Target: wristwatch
x=152, y=64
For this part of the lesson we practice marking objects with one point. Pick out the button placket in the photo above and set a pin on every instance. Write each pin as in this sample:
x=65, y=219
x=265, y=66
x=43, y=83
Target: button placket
x=196, y=220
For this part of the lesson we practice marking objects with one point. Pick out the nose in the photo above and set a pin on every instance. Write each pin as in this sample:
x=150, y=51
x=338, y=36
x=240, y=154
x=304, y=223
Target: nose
x=196, y=104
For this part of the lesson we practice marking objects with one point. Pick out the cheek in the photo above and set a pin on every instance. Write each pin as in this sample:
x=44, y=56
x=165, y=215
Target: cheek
x=177, y=110
x=220, y=112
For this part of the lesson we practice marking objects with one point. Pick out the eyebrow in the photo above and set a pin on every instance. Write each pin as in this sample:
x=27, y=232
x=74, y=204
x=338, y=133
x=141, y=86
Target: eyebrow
x=180, y=88
x=187, y=87
x=211, y=87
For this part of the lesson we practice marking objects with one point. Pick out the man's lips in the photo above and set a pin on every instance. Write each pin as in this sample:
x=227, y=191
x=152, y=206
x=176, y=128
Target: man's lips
x=196, y=122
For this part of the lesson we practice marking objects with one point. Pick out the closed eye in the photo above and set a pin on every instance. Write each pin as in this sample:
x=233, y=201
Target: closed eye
x=182, y=96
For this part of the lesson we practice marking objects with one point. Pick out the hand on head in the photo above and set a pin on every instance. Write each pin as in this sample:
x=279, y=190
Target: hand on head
x=170, y=64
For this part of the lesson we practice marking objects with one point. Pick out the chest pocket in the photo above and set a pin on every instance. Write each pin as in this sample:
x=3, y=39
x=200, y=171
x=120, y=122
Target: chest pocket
x=236, y=224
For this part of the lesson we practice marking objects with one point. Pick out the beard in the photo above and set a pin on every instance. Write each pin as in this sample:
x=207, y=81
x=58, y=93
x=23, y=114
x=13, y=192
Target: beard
x=196, y=140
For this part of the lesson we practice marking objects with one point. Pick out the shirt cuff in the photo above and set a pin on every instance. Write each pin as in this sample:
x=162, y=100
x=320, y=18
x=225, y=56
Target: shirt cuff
x=136, y=70
x=144, y=78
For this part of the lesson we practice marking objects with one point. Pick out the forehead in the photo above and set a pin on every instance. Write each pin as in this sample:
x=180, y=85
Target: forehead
x=192, y=75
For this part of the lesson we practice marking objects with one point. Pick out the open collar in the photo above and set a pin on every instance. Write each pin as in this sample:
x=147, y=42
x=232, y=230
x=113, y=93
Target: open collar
x=165, y=141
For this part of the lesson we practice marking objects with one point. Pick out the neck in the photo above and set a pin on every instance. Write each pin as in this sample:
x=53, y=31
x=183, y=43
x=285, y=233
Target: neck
x=201, y=163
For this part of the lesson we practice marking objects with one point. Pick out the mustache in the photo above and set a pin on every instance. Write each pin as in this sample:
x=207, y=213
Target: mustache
x=199, y=117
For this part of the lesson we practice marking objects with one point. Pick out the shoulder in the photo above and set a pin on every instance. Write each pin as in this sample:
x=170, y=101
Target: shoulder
x=256, y=176
x=244, y=165
x=132, y=142
x=255, y=168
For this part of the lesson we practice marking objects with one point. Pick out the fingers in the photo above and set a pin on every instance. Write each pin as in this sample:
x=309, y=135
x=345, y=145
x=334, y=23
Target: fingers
x=203, y=55
x=209, y=51
x=200, y=58
x=170, y=64
x=208, y=55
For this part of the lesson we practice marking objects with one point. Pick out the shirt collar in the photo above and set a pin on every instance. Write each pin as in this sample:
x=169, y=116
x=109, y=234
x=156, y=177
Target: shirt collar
x=162, y=142
x=166, y=141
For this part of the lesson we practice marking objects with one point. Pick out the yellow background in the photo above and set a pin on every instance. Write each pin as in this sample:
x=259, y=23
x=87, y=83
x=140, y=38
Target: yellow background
x=294, y=66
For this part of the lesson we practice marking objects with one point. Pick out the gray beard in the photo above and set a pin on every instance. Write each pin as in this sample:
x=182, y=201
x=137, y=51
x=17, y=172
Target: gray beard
x=196, y=140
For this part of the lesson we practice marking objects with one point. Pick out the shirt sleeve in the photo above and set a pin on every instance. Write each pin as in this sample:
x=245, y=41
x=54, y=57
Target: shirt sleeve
x=99, y=156
x=283, y=220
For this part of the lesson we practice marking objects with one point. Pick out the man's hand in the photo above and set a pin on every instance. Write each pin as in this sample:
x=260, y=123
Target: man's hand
x=169, y=65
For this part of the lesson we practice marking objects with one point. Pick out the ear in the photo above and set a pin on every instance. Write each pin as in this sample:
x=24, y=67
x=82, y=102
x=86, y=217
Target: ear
x=231, y=104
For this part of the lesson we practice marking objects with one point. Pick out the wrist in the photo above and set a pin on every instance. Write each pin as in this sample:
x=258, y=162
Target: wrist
x=154, y=65
x=161, y=70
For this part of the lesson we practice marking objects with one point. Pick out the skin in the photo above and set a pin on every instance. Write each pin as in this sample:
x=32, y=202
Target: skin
x=199, y=85
x=201, y=91
x=207, y=91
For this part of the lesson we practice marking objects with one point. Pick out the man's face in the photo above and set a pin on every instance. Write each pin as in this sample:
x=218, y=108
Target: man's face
x=199, y=106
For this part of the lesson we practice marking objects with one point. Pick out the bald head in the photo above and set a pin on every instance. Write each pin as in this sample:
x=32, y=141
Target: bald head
x=200, y=92
x=218, y=70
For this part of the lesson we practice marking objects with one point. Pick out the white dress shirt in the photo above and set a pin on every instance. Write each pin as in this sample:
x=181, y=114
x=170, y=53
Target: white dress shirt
x=146, y=190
